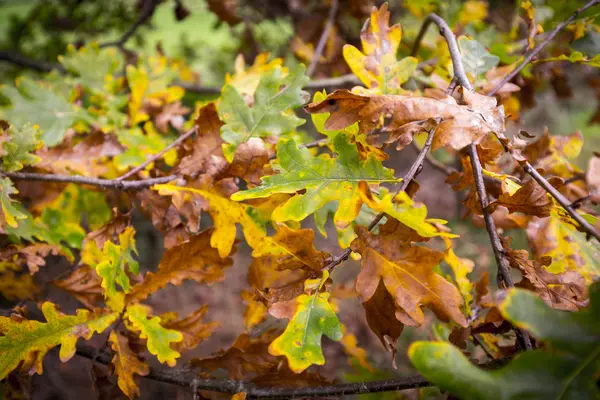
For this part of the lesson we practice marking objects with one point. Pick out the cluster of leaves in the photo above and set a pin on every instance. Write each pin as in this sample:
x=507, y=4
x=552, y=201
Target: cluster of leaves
x=249, y=164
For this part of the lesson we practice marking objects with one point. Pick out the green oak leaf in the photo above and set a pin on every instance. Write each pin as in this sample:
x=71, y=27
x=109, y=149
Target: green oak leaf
x=91, y=64
x=117, y=260
x=39, y=104
x=28, y=341
x=269, y=114
x=301, y=340
x=476, y=59
x=158, y=337
x=566, y=370
x=18, y=147
x=10, y=213
x=324, y=178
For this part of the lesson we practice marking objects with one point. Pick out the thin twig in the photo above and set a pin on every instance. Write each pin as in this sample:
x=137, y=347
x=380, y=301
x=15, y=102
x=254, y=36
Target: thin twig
x=189, y=379
x=146, y=12
x=158, y=155
x=26, y=62
x=414, y=170
x=323, y=39
x=461, y=77
x=562, y=200
x=84, y=180
x=534, y=52
x=446, y=32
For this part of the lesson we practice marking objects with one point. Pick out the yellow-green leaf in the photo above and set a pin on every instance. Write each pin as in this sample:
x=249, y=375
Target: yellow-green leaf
x=10, y=214
x=29, y=341
x=117, y=259
x=301, y=340
x=158, y=337
x=325, y=179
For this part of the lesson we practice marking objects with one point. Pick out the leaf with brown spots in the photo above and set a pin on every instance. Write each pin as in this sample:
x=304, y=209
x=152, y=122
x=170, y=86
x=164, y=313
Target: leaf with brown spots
x=460, y=125
x=194, y=259
x=126, y=364
x=530, y=199
x=407, y=273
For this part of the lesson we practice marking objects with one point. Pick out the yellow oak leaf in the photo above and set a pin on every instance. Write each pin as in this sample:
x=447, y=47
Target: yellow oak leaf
x=127, y=364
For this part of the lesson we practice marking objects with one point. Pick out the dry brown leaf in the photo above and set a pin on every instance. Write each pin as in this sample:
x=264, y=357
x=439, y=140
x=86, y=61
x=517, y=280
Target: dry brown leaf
x=126, y=364
x=86, y=157
x=165, y=217
x=530, y=199
x=111, y=230
x=192, y=328
x=407, y=273
x=85, y=284
x=460, y=125
x=564, y=291
x=380, y=311
x=171, y=114
x=32, y=255
x=194, y=259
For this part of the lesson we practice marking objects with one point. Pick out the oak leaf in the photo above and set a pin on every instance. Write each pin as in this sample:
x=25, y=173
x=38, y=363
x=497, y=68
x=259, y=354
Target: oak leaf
x=460, y=125
x=268, y=115
x=324, y=179
x=17, y=146
x=158, y=337
x=10, y=214
x=85, y=284
x=117, y=260
x=193, y=259
x=530, y=199
x=378, y=68
x=126, y=364
x=408, y=274
x=191, y=327
x=28, y=341
x=15, y=286
x=301, y=340
x=461, y=267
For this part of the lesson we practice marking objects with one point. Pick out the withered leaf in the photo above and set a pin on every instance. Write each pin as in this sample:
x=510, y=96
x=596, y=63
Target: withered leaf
x=407, y=273
x=194, y=259
x=460, y=125
x=127, y=364
x=85, y=284
x=530, y=199
x=380, y=311
x=192, y=328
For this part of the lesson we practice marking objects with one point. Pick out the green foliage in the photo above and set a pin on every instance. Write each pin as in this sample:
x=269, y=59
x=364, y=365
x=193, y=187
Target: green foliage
x=37, y=103
x=301, y=341
x=566, y=370
x=476, y=59
x=19, y=147
x=117, y=260
x=10, y=213
x=269, y=115
x=324, y=178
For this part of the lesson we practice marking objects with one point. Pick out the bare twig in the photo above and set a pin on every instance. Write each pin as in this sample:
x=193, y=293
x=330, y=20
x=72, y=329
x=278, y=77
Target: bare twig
x=414, y=170
x=534, y=52
x=26, y=62
x=84, y=180
x=562, y=200
x=446, y=32
x=461, y=77
x=189, y=379
x=146, y=12
x=323, y=38
x=158, y=155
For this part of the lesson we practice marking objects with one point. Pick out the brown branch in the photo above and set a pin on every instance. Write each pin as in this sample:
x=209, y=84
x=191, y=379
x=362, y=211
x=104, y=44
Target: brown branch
x=414, y=170
x=461, y=77
x=26, y=62
x=534, y=52
x=84, y=180
x=562, y=200
x=323, y=39
x=158, y=155
x=146, y=12
x=189, y=379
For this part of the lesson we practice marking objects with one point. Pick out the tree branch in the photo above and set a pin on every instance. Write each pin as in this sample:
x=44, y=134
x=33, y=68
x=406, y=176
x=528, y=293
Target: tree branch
x=158, y=155
x=534, y=52
x=146, y=12
x=461, y=77
x=84, y=180
x=26, y=62
x=189, y=379
x=323, y=39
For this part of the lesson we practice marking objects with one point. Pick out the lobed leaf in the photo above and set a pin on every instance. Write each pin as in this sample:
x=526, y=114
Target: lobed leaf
x=301, y=340
x=28, y=341
x=116, y=261
x=126, y=364
x=10, y=213
x=324, y=179
x=158, y=337
x=18, y=146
